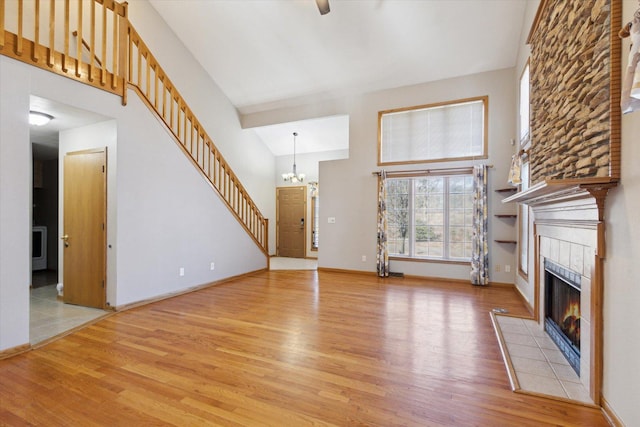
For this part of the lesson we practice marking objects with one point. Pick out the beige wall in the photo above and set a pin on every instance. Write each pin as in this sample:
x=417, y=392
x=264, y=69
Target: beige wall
x=309, y=164
x=621, y=386
x=349, y=189
x=15, y=210
x=525, y=285
x=245, y=152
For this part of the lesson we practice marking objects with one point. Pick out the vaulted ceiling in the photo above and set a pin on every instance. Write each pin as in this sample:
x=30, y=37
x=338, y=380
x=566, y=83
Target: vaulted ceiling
x=267, y=54
x=263, y=52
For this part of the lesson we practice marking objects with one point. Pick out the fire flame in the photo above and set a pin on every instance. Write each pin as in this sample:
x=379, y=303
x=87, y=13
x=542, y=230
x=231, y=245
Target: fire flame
x=571, y=322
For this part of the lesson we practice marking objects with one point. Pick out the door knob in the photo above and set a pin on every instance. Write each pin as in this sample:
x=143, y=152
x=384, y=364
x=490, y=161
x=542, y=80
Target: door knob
x=65, y=238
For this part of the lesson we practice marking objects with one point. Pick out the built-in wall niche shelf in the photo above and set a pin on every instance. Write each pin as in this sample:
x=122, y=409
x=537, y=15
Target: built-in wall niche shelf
x=506, y=190
x=506, y=215
x=505, y=241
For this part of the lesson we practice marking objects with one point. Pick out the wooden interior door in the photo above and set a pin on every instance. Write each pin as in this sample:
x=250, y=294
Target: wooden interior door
x=84, y=232
x=291, y=210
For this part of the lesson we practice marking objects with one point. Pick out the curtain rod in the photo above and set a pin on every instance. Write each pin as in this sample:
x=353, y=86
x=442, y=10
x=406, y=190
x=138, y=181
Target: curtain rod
x=428, y=171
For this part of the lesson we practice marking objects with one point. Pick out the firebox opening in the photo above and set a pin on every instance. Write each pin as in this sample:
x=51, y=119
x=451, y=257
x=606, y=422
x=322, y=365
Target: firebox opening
x=562, y=311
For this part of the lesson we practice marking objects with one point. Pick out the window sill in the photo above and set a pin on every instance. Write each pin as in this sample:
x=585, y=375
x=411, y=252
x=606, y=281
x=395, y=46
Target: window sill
x=430, y=260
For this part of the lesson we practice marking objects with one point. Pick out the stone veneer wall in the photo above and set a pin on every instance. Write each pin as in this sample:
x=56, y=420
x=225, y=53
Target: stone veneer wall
x=572, y=83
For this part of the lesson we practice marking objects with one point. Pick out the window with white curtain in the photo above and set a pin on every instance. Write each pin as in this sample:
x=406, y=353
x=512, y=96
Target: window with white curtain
x=455, y=130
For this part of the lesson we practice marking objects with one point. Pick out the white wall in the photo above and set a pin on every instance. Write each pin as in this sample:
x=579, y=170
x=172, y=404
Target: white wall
x=15, y=210
x=309, y=164
x=621, y=386
x=248, y=156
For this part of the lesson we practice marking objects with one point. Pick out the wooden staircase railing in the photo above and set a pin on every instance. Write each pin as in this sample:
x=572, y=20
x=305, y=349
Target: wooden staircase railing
x=146, y=75
x=117, y=58
x=55, y=51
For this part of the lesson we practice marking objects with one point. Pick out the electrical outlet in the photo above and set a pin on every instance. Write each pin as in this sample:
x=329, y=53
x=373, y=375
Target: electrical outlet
x=181, y=271
x=497, y=268
x=507, y=268
x=331, y=220
x=364, y=258
x=213, y=266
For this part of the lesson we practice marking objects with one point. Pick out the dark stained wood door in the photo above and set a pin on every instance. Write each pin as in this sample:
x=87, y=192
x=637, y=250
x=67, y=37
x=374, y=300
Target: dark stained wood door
x=84, y=232
x=291, y=207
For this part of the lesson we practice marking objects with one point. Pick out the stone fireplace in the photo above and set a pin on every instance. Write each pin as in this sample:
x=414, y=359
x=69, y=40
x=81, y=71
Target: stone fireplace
x=569, y=254
x=574, y=156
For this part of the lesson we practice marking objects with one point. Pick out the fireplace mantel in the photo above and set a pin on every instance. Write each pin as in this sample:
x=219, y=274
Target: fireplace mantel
x=563, y=190
x=571, y=195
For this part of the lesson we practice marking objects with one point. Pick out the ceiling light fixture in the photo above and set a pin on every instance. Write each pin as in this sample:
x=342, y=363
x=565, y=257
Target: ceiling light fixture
x=294, y=176
x=323, y=6
x=39, y=119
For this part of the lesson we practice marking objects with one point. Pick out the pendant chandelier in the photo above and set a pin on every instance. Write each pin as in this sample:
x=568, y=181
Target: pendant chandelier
x=294, y=176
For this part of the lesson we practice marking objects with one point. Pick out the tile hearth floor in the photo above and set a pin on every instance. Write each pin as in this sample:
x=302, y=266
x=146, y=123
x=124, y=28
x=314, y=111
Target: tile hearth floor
x=538, y=364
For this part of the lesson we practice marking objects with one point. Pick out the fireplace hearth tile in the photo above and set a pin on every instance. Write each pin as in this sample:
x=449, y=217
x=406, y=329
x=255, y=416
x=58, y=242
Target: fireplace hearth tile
x=540, y=384
x=515, y=328
x=526, y=351
x=535, y=330
x=565, y=373
x=508, y=320
x=576, y=391
x=555, y=356
x=545, y=342
x=522, y=339
x=533, y=367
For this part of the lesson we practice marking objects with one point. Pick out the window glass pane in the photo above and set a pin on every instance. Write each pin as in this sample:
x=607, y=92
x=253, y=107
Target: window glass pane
x=523, y=220
x=524, y=104
x=454, y=130
x=430, y=217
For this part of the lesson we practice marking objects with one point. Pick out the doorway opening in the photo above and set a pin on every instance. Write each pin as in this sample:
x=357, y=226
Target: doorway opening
x=49, y=315
x=291, y=220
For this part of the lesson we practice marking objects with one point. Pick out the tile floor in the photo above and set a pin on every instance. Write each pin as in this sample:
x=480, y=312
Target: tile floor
x=538, y=364
x=50, y=317
x=282, y=263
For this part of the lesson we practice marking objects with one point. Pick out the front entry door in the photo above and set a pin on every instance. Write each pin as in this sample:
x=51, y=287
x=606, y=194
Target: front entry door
x=291, y=221
x=85, y=231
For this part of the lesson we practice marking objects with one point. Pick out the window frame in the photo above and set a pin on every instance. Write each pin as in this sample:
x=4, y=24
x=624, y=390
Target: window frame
x=525, y=138
x=445, y=173
x=523, y=224
x=524, y=213
x=485, y=131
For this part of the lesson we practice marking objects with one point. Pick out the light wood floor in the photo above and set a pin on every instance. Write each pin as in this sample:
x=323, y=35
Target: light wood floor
x=286, y=348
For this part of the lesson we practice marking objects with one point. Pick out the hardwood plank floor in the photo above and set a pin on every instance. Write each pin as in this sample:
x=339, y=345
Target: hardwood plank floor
x=286, y=348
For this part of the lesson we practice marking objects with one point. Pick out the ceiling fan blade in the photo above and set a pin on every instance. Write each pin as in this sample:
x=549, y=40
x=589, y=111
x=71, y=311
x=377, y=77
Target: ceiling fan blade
x=323, y=6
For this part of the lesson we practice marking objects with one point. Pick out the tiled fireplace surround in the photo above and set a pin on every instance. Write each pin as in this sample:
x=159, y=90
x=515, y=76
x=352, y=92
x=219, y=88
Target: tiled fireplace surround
x=563, y=249
x=569, y=231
